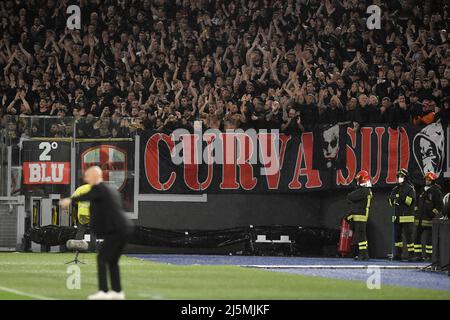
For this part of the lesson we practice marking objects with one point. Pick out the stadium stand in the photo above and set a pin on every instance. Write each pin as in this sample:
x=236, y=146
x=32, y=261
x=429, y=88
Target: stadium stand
x=231, y=64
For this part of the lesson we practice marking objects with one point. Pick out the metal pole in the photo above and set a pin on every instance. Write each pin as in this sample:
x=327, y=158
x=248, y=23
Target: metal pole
x=8, y=173
x=2, y=167
x=337, y=266
x=393, y=219
x=72, y=159
x=137, y=158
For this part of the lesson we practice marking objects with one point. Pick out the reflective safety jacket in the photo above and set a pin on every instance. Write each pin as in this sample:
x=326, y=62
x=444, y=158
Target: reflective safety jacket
x=84, y=211
x=429, y=204
x=402, y=199
x=359, y=201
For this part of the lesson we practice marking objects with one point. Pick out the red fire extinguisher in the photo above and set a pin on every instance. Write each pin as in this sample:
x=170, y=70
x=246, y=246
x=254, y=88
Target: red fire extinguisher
x=346, y=239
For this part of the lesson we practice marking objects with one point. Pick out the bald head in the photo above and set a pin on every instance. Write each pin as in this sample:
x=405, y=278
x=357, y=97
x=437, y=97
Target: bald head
x=93, y=175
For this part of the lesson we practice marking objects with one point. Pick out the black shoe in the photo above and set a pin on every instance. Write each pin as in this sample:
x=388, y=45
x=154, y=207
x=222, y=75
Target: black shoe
x=364, y=255
x=364, y=258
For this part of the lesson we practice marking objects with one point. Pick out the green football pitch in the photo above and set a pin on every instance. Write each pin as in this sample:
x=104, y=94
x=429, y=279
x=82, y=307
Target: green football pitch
x=44, y=276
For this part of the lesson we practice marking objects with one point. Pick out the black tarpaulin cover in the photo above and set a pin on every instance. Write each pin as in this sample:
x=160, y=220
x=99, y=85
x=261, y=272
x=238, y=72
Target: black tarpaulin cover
x=305, y=239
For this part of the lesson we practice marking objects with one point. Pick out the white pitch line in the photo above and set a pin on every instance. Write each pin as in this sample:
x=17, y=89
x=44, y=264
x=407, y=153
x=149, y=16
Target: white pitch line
x=21, y=293
x=332, y=266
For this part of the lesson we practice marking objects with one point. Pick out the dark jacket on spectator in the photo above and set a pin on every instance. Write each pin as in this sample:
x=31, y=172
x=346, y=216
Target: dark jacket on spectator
x=394, y=115
x=402, y=115
x=374, y=115
x=332, y=115
x=310, y=115
x=361, y=115
x=349, y=115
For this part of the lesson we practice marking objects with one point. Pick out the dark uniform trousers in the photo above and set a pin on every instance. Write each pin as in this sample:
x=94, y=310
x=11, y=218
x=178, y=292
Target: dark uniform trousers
x=359, y=238
x=359, y=201
x=429, y=205
x=425, y=233
x=404, y=230
x=108, y=260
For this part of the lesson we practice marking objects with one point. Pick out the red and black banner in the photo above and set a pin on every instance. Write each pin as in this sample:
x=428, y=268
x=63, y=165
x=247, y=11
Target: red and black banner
x=312, y=161
x=159, y=173
x=46, y=166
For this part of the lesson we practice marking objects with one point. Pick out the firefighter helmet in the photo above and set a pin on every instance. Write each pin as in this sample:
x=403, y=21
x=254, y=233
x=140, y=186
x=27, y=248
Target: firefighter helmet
x=362, y=177
x=431, y=176
x=402, y=172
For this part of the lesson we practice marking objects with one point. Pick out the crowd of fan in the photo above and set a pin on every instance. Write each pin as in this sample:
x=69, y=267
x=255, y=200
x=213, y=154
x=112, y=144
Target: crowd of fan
x=163, y=64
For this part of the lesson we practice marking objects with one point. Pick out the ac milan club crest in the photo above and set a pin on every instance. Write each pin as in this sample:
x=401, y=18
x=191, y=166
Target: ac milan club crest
x=111, y=159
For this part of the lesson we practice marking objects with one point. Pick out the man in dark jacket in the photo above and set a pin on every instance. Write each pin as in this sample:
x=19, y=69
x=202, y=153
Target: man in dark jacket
x=309, y=113
x=402, y=199
x=359, y=201
x=429, y=205
x=108, y=221
x=361, y=111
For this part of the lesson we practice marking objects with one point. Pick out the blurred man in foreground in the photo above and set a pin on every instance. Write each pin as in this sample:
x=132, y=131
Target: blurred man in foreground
x=108, y=222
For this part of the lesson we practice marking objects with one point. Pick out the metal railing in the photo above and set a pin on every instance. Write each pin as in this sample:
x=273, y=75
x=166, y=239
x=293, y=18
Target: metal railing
x=15, y=128
x=12, y=223
x=3, y=165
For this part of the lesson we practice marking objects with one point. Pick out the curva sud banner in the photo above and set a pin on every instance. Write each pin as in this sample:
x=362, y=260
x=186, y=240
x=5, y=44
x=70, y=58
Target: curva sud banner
x=265, y=161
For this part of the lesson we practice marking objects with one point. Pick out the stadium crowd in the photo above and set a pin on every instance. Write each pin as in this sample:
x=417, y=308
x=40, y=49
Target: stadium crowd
x=162, y=64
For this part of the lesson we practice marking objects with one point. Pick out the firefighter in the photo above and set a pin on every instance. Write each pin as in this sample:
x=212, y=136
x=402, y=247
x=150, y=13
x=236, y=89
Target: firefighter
x=83, y=214
x=359, y=201
x=402, y=199
x=429, y=205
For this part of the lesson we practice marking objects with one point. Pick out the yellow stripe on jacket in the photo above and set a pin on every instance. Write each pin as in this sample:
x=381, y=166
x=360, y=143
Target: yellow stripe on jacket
x=362, y=217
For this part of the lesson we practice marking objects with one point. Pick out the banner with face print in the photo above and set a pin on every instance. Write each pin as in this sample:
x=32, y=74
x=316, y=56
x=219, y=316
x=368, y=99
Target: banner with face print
x=428, y=148
x=329, y=149
x=382, y=150
x=327, y=158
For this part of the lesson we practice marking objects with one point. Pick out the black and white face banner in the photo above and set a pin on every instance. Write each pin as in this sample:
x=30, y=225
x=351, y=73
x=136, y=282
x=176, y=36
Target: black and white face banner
x=428, y=148
x=330, y=145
